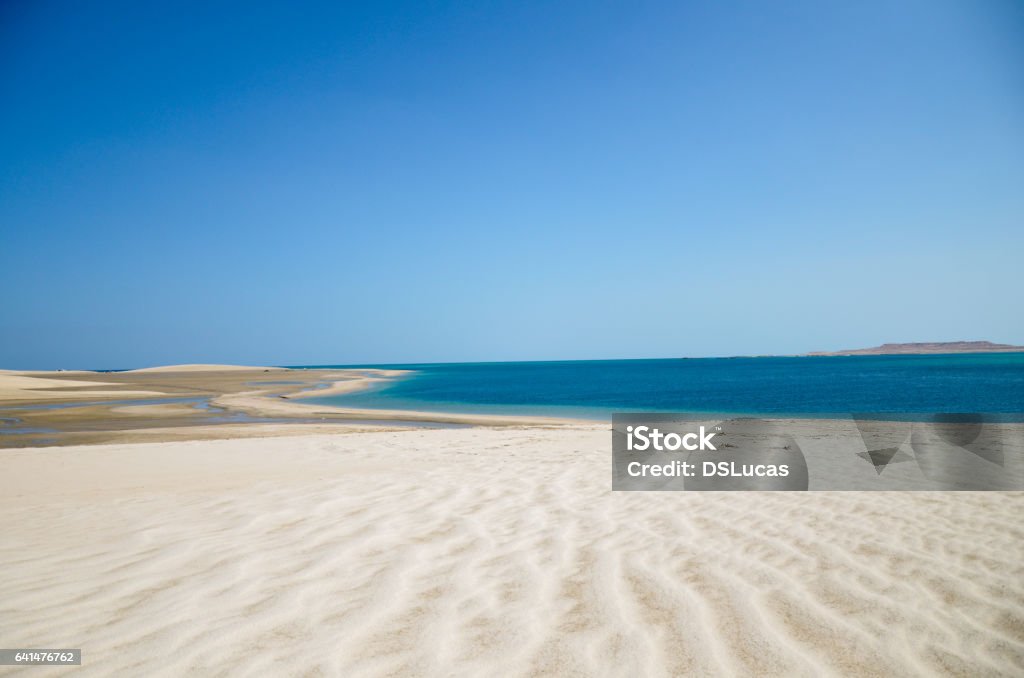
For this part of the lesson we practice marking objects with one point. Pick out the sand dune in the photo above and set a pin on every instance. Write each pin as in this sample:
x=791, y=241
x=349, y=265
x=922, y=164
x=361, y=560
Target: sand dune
x=476, y=552
x=201, y=368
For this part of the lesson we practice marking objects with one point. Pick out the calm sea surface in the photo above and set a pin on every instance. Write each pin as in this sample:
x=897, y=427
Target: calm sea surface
x=903, y=386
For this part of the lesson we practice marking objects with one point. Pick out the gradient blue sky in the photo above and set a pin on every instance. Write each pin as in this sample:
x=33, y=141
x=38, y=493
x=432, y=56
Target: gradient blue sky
x=289, y=183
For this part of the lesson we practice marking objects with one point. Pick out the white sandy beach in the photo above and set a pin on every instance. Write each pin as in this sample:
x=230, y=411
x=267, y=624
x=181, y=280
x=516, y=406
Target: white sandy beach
x=512, y=340
x=486, y=551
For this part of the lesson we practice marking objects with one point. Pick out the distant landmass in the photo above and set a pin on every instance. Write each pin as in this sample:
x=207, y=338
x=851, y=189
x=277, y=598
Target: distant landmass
x=929, y=347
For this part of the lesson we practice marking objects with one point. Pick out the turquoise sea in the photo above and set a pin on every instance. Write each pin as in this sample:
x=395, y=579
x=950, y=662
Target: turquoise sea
x=897, y=386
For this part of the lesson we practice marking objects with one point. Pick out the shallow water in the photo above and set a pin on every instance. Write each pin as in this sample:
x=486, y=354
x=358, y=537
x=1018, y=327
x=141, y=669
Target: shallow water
x=210, y=415
x=273, y=383
x=25, y=431
x=93, y=403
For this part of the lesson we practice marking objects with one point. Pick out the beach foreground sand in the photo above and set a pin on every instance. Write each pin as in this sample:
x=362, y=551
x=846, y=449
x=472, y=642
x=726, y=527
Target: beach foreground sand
x=487, y=551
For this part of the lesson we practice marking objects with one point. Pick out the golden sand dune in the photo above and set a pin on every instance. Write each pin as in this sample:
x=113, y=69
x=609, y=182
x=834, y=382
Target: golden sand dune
x=474, y=552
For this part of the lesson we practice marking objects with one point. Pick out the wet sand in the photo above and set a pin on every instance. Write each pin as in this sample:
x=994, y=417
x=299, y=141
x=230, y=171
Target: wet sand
x=198, y=402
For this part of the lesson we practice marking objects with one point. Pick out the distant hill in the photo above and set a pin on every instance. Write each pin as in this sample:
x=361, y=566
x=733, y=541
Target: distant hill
x=929, y=347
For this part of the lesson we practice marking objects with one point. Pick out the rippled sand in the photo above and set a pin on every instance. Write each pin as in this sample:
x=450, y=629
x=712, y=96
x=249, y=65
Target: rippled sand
x=478, y=552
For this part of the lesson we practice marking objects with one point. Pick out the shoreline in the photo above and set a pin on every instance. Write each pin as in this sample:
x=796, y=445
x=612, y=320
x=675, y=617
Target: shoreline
x=223, y=401
x=203, y=402
x=353, y=384
x=268, y=403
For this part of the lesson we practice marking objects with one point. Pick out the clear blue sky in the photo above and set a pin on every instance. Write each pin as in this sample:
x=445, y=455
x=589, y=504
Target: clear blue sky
x=292, y=183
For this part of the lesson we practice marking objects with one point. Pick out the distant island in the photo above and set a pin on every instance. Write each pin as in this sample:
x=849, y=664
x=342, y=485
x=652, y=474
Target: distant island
x=929, y=347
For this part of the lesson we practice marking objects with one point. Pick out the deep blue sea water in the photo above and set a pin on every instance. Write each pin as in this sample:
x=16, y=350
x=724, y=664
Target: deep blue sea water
x=902, y=386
